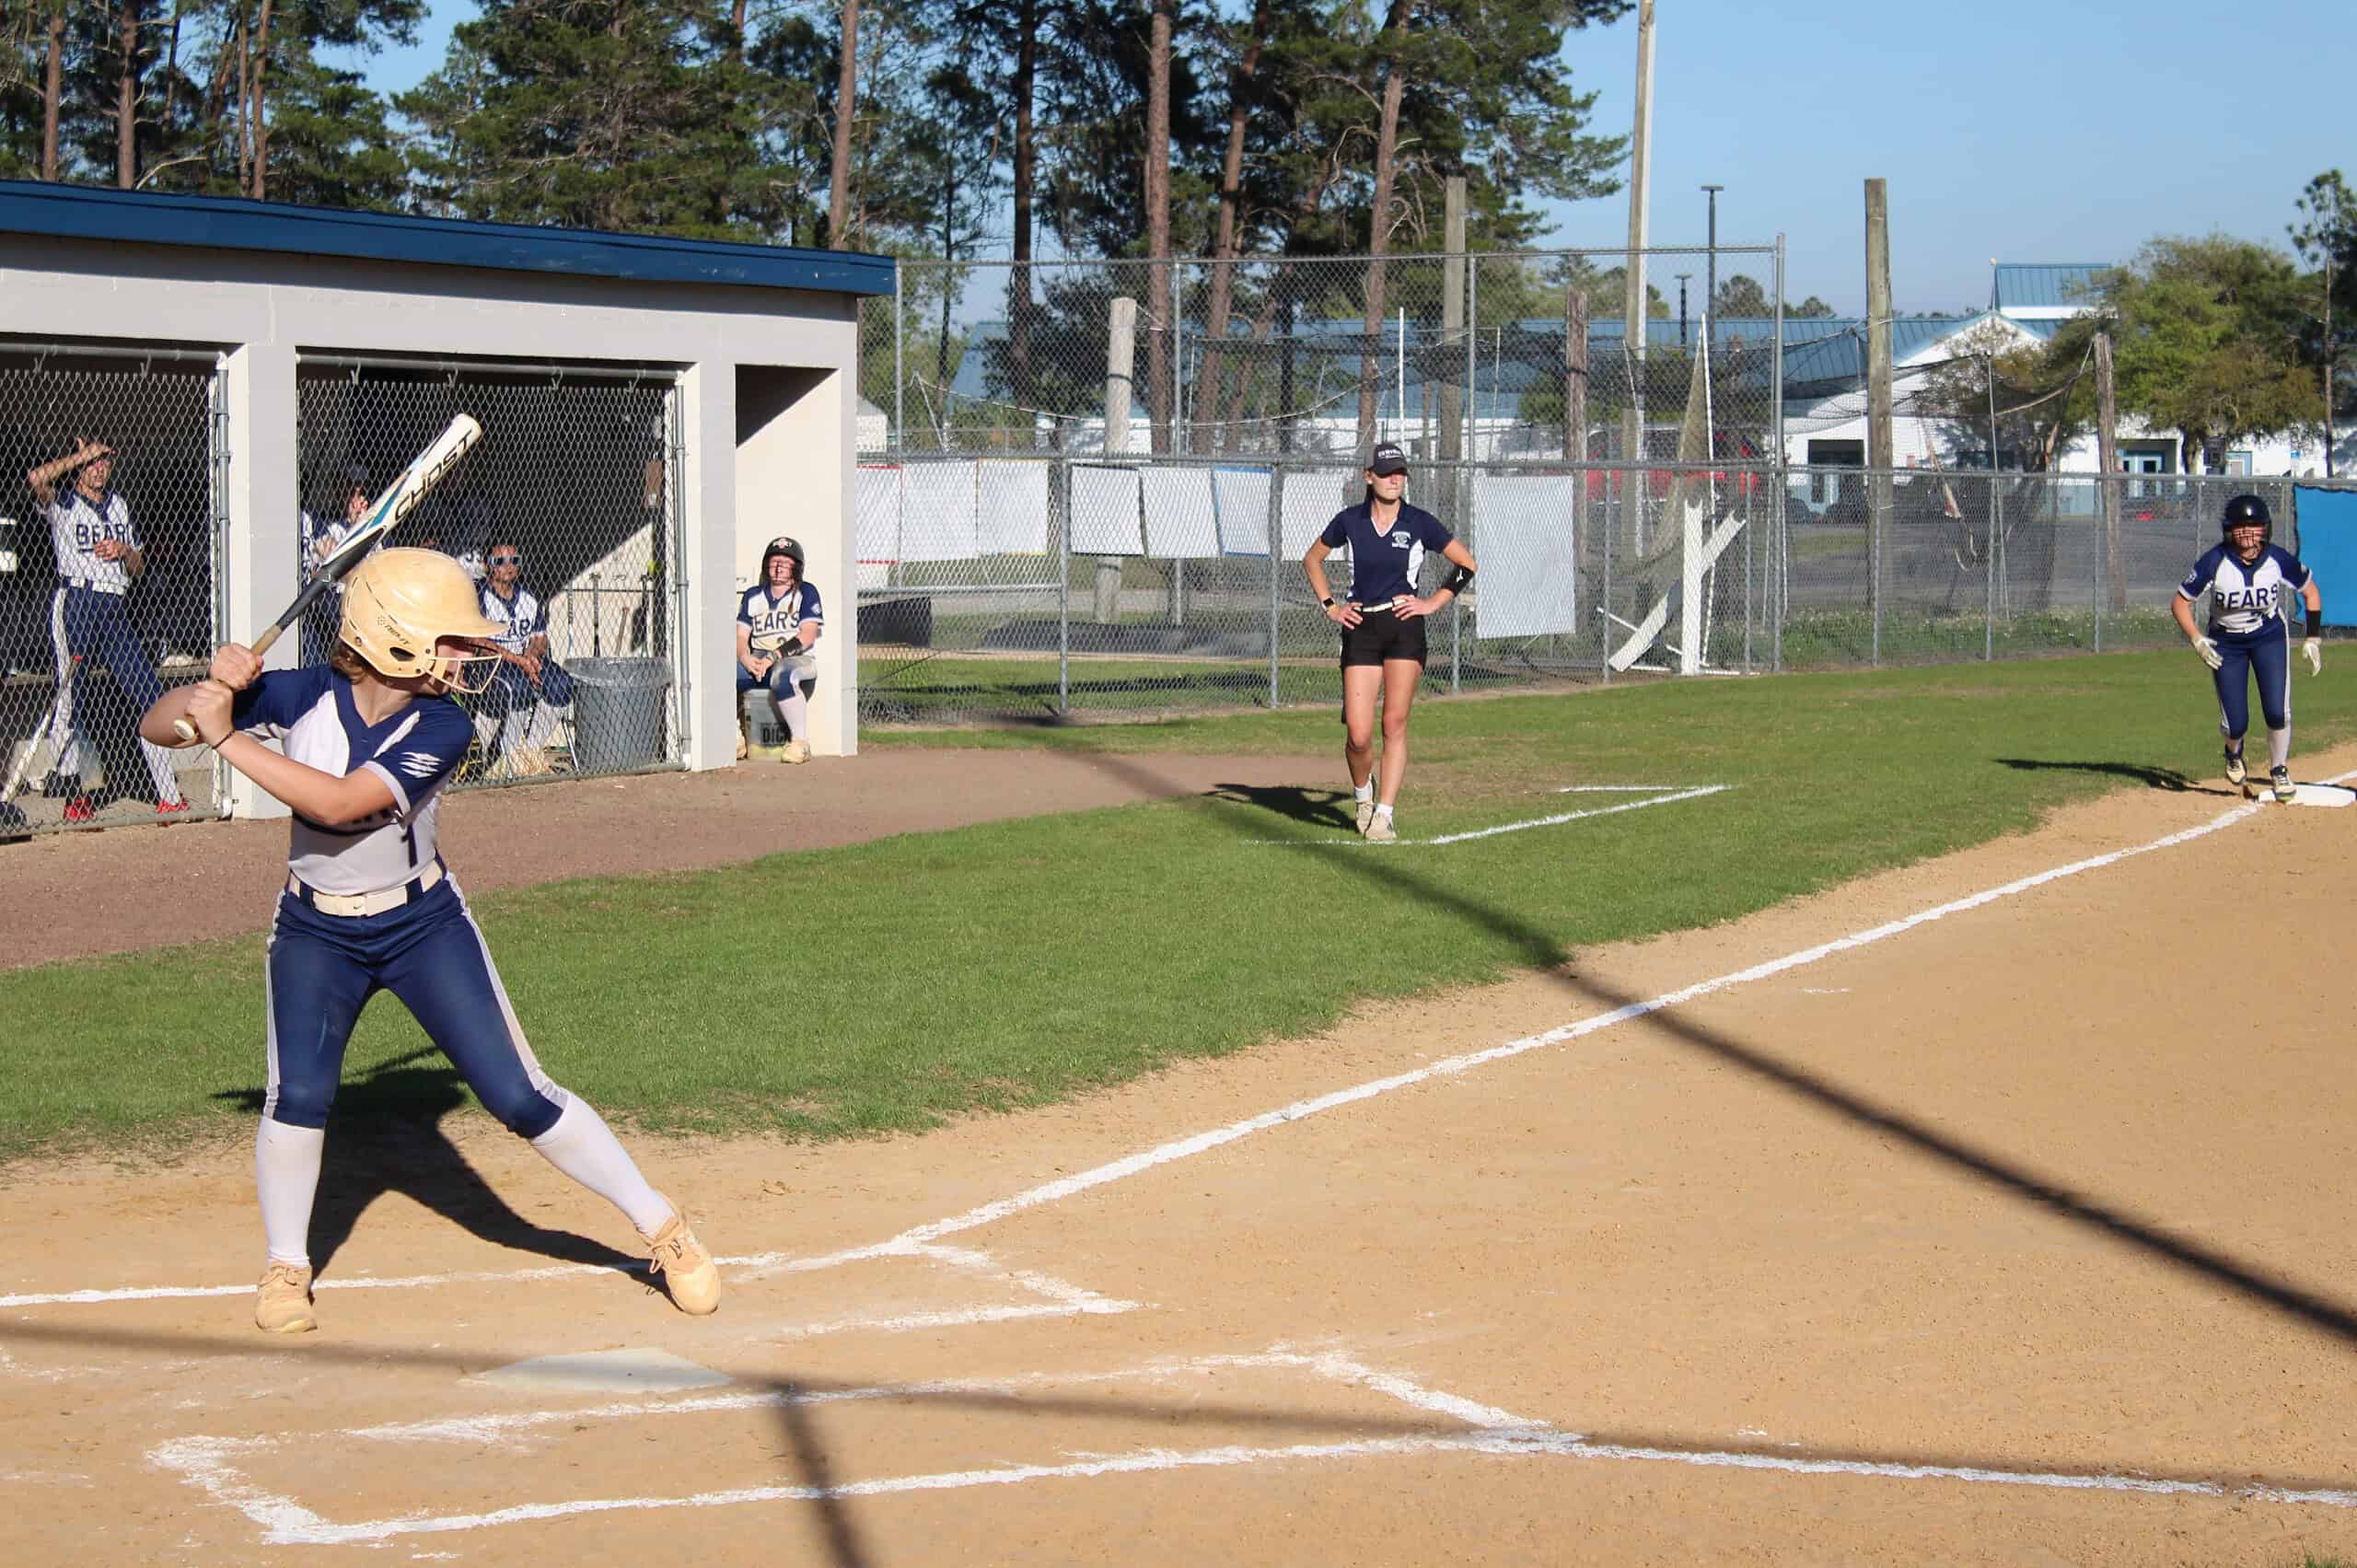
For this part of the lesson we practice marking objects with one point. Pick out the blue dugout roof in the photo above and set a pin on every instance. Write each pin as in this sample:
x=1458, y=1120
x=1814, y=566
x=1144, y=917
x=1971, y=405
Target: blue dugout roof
x=2051, y=285
x=221, y=223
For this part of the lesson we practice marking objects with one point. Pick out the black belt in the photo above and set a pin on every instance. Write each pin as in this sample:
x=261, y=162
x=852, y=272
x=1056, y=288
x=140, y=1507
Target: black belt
x=86, y=586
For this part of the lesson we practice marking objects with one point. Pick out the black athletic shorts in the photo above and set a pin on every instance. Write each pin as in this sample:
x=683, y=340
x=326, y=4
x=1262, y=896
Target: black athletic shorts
x=1382, y=635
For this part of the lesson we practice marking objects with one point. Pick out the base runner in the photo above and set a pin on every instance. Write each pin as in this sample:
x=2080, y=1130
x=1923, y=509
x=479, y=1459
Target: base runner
x=2250, y=581
x=370, y=739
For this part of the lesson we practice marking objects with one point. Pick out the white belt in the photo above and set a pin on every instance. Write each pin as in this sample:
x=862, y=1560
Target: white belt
x=89, y=585
x=352, y=905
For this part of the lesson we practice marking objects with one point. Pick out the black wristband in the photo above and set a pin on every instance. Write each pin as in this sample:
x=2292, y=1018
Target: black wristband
x=2316, y=622
x=1460, y=580
x=1328, y=601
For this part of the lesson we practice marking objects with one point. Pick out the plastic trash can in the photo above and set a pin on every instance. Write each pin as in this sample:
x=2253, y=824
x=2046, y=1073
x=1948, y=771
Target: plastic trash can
x=617, y=712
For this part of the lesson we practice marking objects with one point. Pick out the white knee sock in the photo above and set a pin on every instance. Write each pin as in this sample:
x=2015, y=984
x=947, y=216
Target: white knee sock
x=793, y=711
x=512, y=729
x=2278, y=747
x=543, y=725
x=287, y=1176
x=586, y=1149
x=160, y=774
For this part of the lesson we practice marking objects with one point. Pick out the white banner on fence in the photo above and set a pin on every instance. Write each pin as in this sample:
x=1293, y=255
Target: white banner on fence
x=877, y=498
x=1014, y=507
x=1105, y=511
x=938, y=521
x=1524, y=530
x=1240, y=497
x=1180, y=520
x=1312, y=497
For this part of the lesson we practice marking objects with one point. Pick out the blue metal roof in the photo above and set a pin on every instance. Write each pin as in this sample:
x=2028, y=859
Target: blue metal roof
x=2067, y=285
x=72, y=211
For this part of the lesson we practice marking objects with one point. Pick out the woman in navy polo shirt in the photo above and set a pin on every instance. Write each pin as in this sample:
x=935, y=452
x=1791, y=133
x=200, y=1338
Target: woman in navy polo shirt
x=1383, y=622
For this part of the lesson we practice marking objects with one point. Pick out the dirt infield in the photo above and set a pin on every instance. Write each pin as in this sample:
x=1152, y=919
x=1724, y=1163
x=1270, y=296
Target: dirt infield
x=2013, y=1229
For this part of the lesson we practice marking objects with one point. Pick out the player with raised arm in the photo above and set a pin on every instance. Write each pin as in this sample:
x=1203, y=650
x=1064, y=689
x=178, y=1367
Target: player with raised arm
x=1383, y=623
x=2250, y=581
x=370, y=742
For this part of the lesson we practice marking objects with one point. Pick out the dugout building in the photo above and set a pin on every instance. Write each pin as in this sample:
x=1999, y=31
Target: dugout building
x=654, y=411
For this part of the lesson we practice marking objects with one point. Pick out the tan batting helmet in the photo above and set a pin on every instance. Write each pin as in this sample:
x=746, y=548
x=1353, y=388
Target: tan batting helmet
x=399, y=603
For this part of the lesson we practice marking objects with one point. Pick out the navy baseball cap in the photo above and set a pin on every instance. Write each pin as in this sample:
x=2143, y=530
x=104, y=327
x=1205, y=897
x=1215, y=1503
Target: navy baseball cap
x=1387, y=458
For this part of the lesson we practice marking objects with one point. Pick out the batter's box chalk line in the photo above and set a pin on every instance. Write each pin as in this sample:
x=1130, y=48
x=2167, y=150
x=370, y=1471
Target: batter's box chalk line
x=1674, y=794
x=222, y=1468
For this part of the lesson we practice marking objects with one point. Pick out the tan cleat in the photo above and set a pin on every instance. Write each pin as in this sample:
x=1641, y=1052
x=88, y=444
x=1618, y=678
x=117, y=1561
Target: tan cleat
x=283, y=1306
x=1380, y=829
x=794, y=751
x=686, y=1267
x=1367, y=814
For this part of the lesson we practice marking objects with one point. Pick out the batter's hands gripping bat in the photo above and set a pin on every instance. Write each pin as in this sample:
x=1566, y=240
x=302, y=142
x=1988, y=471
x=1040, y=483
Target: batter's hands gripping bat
x=401, y=499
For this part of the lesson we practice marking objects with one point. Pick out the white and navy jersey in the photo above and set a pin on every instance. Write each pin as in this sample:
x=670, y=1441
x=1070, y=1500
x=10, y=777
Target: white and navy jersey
x=2245, y=599
x=523, y=616
x=77, y=525
x=310, y=713
x=779, y=617
x=1385, y=562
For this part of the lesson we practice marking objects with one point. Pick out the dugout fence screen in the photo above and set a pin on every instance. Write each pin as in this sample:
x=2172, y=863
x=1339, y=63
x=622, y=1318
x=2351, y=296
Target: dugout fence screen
x=565, y=513
x=68, y=737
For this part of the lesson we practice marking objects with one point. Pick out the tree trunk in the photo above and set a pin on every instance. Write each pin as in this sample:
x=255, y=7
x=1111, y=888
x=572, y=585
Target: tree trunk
x=261, y=116
x=51, y=87
x=126, y=100
x=1231, y=183
x=736, y=32
x=1387, y=144
x=846, y=106
x=1162, y=323
x=1019, y=281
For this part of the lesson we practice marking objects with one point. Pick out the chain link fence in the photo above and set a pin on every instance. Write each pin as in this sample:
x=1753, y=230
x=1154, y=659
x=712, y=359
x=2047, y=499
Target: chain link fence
x=108, y=575
x=1031, y=589
x=564, y=515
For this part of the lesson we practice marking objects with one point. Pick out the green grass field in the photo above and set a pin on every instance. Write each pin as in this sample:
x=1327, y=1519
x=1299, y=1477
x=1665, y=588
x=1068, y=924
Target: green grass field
x=1008, y=964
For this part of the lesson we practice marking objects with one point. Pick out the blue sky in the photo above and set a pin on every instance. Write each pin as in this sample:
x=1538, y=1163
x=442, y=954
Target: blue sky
x=2055, y=131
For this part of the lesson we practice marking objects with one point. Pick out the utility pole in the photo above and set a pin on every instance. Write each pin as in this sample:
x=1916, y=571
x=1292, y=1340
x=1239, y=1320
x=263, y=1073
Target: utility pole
x=1879, y=454
x=2331, y=360
x=1681, y=307
x=1710, y=268
x=1632, y=312
x=2108, y=460
x=1452, y=331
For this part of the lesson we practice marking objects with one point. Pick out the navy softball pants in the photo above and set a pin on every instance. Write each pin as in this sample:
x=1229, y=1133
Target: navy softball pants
x=429, y=953
x=2268, y=655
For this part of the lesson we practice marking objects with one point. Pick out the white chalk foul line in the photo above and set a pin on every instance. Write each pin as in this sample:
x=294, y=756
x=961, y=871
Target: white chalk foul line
x=207, y=1462
x=1186, y=1148
x=758, y=1264
x=1556, y=820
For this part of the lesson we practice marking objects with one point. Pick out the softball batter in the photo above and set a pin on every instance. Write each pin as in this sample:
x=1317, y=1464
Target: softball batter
x=370, y=739
x=1383, y=623
x=2250, y=581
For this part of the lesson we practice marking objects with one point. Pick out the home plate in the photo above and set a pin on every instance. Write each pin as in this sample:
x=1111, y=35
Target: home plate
x=606, y=1371
x=2321, y=794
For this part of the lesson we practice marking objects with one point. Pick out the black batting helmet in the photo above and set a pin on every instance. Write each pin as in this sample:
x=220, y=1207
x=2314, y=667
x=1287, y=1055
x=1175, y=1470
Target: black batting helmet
x=789, y=548
x=2242, y=511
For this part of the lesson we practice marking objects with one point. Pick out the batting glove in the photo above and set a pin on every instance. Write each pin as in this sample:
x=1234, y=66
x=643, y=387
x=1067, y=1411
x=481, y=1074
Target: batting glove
x=2208, y=650
x=2313, y=651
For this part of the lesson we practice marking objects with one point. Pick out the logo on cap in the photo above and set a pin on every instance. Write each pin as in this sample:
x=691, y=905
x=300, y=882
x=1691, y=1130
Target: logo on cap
x=1388, y=458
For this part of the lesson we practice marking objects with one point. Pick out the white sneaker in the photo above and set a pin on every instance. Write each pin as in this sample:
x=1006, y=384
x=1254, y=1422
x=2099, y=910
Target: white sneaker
x=794, y=751
x=1367, y=814
x=1380, y=831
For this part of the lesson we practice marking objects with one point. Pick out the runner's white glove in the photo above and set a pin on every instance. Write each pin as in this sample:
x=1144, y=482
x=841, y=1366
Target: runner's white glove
x=2313, y=651
x=2208, y=652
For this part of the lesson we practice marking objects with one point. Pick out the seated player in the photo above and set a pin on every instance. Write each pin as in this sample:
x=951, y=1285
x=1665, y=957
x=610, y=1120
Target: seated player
x=778, y=625
x=529, y=691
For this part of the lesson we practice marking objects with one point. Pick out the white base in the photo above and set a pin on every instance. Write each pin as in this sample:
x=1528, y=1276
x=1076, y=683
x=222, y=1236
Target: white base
x=2322, y=795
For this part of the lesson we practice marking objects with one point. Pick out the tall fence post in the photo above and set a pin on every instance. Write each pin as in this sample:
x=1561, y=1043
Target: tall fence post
x=1276, y=553
x=1989, y=570
x=1120, y=351
x=900, y=428
x=1064, y=470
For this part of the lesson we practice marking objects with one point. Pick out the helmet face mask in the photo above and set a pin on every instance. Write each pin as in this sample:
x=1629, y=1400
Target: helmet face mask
x=2246, y=512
